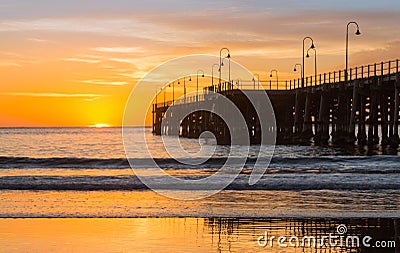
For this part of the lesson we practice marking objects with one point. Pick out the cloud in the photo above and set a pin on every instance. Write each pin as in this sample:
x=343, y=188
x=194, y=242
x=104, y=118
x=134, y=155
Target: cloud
x=55, y=95
x=9, y=64
x=81, y=60
x=37, y=40
x=102, y=82
x=27, y=9
x=135, y=75
x=386, y=52
x=241, y=28
x=91, y=99
x=119, y=49
x=128, y=28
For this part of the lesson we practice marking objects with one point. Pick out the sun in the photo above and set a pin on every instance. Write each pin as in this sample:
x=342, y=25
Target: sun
x=100, y=125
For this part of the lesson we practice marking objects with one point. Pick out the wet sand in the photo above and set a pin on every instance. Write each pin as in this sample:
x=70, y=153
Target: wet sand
x=184, y=234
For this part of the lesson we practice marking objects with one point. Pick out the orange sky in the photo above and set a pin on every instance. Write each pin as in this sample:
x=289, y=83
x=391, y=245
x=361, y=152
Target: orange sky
x=75, y=64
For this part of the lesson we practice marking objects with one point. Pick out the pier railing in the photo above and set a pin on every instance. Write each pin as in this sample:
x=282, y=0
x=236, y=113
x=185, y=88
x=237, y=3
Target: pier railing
x=366, y=71
x=387, y=69
x=378, y=69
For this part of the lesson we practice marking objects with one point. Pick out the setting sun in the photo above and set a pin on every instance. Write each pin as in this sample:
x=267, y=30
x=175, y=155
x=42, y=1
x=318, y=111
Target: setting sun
x=100, y=125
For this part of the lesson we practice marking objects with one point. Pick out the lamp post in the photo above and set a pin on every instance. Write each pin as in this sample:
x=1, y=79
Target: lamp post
x=302, y=72
x=220, y=62
x=276, y=73
x=197, y=83
x=184, y=87
x=156, y=96
x=220, y=69
x=301, y=69
x=173, y=92
x=239, y=83
x=254, y=81
x=212, y=74
x=347, y=46
x=164, y=95
x=315, y=62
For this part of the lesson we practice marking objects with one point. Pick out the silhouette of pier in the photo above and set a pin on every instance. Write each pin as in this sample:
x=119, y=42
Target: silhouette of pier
x=360, y=107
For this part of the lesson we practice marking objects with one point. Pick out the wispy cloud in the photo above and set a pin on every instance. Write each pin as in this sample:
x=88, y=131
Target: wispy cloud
x=81, y=60
x=135, y=75
x=38, y=40
x=142, y=63
x=128, y=27
x=55, y=95
x=119, y=49
x=9, y=64
x=91, y=99
x=102, y=82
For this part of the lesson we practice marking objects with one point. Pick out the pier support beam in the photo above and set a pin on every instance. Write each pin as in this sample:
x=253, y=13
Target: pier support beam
x=322, y=135
x=307, y=124
x=394, y=141
x=340, y=130
x=361, y=134
x=384, y=119
x=352, y=120
x=298, y=117
x=373, y=137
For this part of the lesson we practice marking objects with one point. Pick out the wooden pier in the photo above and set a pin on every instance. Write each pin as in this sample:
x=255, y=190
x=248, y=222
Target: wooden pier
x=360, y=108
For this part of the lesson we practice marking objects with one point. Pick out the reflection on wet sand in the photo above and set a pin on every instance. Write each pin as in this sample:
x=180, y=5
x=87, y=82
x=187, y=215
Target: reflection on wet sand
x=187, y=234
x=227, y=233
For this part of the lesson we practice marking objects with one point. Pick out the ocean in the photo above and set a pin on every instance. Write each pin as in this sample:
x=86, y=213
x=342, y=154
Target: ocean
x=81, y=173
x=300, y=181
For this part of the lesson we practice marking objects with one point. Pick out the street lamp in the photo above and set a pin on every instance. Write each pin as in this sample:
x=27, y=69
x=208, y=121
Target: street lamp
x=276, y=73
x=156, y=96
x=254, y=81
x=301, y=67
x=220, y=69
x=302, y=72
x=184, y=87
x=315, y=62
x=347, y=45
x=212, y=74
x=164, y=95
x=239, y=83
x=220, y=62
x=173, y=92
x=197, y=83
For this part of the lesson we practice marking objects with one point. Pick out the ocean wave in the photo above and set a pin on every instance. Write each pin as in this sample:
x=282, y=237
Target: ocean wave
x=377, y=162
x=267, y=182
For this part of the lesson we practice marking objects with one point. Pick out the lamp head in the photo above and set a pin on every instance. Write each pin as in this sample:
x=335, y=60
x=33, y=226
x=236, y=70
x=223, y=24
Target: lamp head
x=202, y=75
x=190, y=79
x=294, y=69
x=358, y=32
x=312, y=45
x=222, y=64
x=179, y=82
x=270, y=75
x=308, y=56
x=229, y=56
